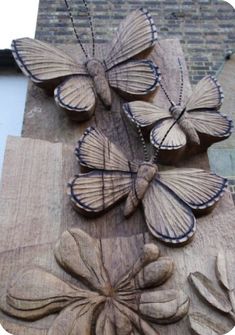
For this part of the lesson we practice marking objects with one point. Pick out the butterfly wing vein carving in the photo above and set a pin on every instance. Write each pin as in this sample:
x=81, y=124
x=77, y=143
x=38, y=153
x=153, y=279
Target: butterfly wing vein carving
x=169, y=198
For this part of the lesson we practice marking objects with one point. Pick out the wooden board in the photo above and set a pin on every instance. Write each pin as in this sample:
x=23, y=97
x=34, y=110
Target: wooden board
x=35, y=209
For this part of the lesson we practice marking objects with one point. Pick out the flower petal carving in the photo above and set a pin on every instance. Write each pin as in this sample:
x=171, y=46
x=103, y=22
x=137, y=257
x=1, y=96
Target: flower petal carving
x=41, y=292
x=76, y=319
x=112, y=321
x=81, y=255
x=124, y=308
x=163, y=306
x=155, y=273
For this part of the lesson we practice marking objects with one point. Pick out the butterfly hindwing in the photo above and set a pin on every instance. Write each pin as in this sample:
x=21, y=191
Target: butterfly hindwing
x=176, y=138
x=135, y=34
x=134, y=77
x=95, y=192
x=77, y=94
x=211, y=123
x=95, y=151
x=42, y=62
x=198, y=188
x=168, y=218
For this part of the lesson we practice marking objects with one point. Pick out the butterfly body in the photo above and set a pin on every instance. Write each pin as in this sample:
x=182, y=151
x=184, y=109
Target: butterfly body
x=96, y=70
x=144, y=176
x=179, y=113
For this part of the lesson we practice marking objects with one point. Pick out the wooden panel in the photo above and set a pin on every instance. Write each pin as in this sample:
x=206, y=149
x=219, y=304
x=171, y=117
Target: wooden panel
x=35, y=209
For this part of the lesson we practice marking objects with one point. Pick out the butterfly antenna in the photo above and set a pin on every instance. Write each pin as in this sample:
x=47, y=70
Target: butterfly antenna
x=91, y=27
x=166, y=94
x=74, y=28
x=156, y=152
x=146, y=156
x=181, y=81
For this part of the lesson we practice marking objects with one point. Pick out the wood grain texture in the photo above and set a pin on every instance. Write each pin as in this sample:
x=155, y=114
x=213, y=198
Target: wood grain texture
x=123, y=239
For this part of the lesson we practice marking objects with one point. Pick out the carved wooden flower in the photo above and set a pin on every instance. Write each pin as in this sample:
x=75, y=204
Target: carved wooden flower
x=124, y=308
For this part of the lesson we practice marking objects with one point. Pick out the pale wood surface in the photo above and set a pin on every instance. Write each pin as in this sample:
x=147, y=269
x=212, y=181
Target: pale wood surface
x=35, y=209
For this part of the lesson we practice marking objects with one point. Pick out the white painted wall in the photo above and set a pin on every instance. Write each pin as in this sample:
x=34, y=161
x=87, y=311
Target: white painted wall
x=13, y=88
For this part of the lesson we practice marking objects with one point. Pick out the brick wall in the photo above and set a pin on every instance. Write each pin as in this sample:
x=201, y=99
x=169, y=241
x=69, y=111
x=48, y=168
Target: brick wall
x=206, y=28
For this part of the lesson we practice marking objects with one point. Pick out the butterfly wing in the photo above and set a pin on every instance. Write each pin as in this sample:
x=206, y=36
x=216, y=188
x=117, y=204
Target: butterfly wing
x=197, y=188
x=207, y=94
x=175, y=139
x=95, y=151
x=42, y=62
x=97, y=191
x=135, y=34
x=211, y=122
x=77, y=95
x=144, y=113
x=135, y=77
x=168, y=218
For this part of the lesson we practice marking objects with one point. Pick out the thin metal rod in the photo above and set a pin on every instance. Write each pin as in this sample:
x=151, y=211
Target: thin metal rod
x=74, y=28
x=91, y=27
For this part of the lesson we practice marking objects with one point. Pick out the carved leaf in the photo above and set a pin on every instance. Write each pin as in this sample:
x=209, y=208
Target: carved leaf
x=81, y=255
x=202, y=325
x=35, y=293
x=222, y=270
x=163, y=306
x=207, y=290
x=75, y=319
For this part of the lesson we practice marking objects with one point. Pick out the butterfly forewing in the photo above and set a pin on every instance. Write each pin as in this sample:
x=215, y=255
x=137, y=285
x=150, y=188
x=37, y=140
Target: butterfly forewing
x=134, y=77
x=144, y=113
x=42, y=62
x=211, y=123
x=206, y=95
x=198, y=188
x=77, y=94
x=97, y=191
x=167, y=216
x=95, y=151
x=136, y=34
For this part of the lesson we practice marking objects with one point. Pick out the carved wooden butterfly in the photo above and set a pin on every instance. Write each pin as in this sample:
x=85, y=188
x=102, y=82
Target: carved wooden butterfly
x=78, y=84
x=200, y=122
x=169, y=198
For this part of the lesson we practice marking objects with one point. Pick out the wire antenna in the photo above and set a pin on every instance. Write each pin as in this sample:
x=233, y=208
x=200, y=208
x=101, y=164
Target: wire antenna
x=181, y=81
x=91, y=27
x=166, y=94
x=146, y=155
x=156, y=152
x=74, y=28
